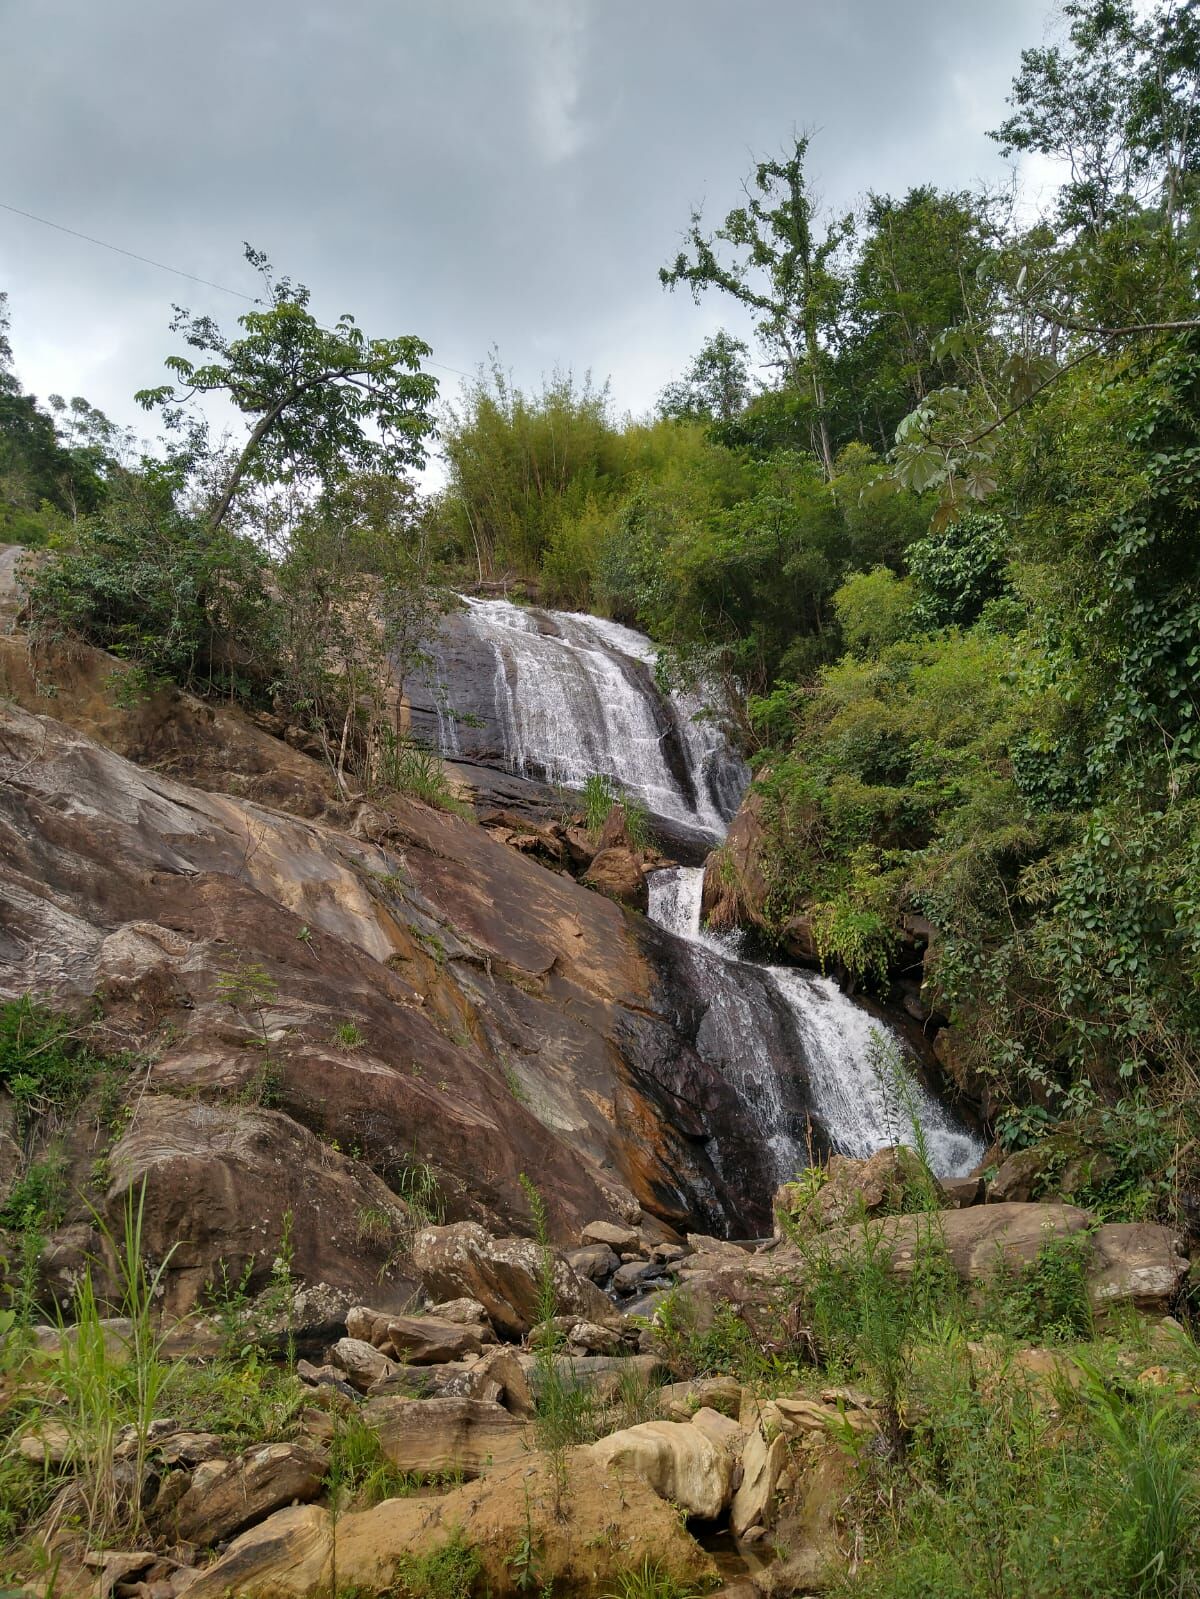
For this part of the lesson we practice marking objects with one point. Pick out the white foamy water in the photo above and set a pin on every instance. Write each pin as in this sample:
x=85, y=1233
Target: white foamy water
x=574, y=696
x=861, y=1108
x=560, y=697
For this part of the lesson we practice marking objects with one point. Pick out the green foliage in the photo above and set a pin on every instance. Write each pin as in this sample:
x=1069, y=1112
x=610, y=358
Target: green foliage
x=409, y=767
x=45, y=1062
x=1047, y=1299
x=650, y=1581
x=321, y=402
x=150, y=584
x=448, y=1572
x=874, y=609
x=359, y=1474
x=601, y=797
x=956, y=572
x=524, y=466
x=1097, y=1508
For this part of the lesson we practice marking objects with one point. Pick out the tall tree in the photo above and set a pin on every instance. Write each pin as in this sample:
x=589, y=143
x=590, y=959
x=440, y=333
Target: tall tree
x=912, y=279
x=716, y=385
x=784, y=267
x=323, y=402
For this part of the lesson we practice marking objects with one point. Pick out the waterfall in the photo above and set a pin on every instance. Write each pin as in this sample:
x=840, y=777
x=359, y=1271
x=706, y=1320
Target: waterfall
x=560, y=697
x=557, y=697
x=860, y=1107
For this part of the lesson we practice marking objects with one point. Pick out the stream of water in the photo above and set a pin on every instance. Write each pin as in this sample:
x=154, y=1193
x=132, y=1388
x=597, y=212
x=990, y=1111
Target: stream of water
x=559, y=696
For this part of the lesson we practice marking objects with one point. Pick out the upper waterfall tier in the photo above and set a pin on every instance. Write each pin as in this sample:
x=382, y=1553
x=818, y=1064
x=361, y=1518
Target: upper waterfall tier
x=560, y=697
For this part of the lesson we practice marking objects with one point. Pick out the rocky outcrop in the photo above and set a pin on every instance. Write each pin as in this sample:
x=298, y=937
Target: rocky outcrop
x=567, y=1519
x=222, y=1183
x=503, y=1274
x=228, y=1496
x=334, y=996
x=435, y=1436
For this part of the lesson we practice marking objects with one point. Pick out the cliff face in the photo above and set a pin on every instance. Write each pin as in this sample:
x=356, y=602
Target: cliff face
x=333, y=1004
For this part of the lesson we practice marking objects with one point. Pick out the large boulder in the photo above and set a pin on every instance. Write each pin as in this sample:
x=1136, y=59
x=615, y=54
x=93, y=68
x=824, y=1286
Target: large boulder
x=430, y=1341
x=232, y=1495
x=618, y=873
x=216, y=1184
x=504, y=1275
x=568, y=1517
x=679, y=1461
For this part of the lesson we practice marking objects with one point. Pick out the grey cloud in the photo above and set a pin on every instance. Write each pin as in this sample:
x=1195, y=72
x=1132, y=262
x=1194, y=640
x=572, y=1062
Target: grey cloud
x=476, y=171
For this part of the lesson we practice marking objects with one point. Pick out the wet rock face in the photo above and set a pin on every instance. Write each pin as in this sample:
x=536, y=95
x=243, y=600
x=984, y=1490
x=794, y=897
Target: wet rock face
x=386, y=995
x=550, y=698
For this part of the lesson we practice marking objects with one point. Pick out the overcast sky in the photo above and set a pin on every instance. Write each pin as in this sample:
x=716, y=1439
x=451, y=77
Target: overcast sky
x=473, y=171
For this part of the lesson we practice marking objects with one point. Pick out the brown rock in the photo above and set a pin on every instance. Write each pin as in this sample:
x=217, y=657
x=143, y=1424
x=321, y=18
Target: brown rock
x=245, y=1490
x=616, y=1237
x=219, y=1180
x=499, y=1377
x=434, y=1436
x=959, y=1192
x=430, y=1341
x=367, y=1325
x=679, y=1461
x=503, y=1274
x=593, y=1261
x=762, y=1461
x=1136, y=1263
x=467, y=1312
x=681, y=1400
x=618, y=874
x=362, y=1363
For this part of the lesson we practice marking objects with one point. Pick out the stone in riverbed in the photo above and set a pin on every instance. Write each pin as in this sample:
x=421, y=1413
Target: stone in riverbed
x=611, y=1233
x=594, y=1261
x=679, y=1461
x=362, y=1363
x=635, y=1272
x=227, y=1496
x=430, y=1341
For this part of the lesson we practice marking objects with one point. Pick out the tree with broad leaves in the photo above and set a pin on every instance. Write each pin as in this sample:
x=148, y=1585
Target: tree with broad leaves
x=324, y=401
x=783, y=268
x=716, y=385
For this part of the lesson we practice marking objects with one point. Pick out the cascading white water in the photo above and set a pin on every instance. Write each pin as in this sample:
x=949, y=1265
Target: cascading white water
x=560, y=697
x=573, y=696
x=861, y=1105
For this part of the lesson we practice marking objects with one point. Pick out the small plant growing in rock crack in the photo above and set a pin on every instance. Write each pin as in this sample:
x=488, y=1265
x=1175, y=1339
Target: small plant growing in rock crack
x=449, y=1572
x=650, y=1580
x=372, y=1225
x=248, y=988
x=349, y=1036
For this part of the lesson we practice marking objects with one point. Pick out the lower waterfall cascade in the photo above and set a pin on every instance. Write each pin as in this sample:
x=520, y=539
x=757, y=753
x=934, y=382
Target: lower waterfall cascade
x=558, y=697
x=860, y=1107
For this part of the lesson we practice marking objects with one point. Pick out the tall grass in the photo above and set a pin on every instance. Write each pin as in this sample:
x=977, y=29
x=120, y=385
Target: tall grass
x=108, y=1389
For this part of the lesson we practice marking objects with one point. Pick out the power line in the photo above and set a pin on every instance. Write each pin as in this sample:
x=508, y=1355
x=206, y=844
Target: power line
x=163, y=267
x=132, y=254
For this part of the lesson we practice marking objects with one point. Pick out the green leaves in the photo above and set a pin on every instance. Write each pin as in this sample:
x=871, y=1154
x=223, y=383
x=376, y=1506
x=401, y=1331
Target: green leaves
x=322, y=402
